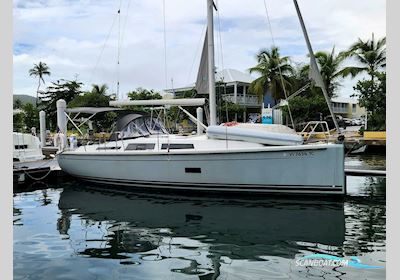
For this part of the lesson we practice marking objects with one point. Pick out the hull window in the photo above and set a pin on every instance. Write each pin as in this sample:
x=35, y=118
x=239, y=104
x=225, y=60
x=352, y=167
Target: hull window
x=192, y=170
x=108, y=148
x=140, y=147
x=176, y=146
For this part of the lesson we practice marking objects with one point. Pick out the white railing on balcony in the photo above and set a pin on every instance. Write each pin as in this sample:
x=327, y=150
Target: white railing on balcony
x=249, y=100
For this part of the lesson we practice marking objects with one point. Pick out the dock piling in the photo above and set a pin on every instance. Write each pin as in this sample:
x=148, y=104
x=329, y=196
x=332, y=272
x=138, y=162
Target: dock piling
x=42, y=119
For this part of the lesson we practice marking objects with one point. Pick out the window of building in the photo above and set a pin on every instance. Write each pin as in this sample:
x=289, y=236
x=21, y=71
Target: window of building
x=229, y=89
x=240, y=90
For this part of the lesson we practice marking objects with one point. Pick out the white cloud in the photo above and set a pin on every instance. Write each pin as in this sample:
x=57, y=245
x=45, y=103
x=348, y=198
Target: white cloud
x=69, y=35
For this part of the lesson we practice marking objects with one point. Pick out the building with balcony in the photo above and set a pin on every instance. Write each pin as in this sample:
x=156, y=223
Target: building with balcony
x=236, y=90
x=347, y=107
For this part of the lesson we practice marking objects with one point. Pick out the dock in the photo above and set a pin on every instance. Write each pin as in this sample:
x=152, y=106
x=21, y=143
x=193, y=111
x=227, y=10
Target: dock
x=42, y=170
x=49, y=150
x=353, y=142
x=365, y=172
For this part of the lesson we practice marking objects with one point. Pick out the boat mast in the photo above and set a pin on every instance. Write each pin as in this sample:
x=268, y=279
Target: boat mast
x=314, y=66
x=211, y=71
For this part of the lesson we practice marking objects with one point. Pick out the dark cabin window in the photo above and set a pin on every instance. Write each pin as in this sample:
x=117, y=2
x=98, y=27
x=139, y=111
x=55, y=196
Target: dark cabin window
x=19, y=147
x=193, y=170
x=140, y=146
x=108, y=148
x=177, y=146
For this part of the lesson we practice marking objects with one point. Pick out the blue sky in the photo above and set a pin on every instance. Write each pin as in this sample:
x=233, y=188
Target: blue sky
x=69, y=36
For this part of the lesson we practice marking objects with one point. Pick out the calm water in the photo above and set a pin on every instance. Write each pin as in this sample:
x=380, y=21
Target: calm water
x=78, y=231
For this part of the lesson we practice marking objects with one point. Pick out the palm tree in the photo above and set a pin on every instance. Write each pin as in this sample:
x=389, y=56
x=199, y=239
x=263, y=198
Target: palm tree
x=100, y=89
x=39, y=70
x=370, y=53
x=330, y=66
x=270, y=66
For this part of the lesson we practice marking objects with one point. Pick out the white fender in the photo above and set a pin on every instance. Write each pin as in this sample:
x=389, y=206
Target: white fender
x=60, y=141
x=55, y=140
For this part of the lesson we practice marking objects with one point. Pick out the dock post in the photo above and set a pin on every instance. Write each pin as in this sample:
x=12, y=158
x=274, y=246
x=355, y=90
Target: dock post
x=42, y=120
x=199, y=112
x=61, y=124
x=61, y=117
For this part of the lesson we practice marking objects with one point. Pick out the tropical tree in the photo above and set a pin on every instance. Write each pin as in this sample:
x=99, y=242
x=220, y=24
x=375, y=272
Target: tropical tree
x=270, y=67
x=372, y=96
x=100, y=89
x=143, y=94
x=17, y=104
x=18, y=122
x=61, y=89
x=31, y=116
x=97, y=97
x=39, y=71
x=371, y=54
x=332, y=70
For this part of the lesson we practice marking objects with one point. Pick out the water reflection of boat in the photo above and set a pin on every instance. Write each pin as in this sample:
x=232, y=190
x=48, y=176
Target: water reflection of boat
x=146, y=219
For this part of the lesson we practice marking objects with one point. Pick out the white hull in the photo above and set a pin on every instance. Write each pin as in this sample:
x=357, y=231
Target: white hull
x=315, y=169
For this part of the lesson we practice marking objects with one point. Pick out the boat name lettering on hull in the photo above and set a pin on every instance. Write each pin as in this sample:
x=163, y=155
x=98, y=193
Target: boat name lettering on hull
x=301, y=154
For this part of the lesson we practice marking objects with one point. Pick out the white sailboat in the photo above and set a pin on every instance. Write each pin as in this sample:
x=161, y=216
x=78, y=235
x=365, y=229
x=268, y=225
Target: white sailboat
x=243, y=159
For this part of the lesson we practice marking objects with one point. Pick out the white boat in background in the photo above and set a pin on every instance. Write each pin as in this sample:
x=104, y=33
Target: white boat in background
x=26, y=147
x=227, y=159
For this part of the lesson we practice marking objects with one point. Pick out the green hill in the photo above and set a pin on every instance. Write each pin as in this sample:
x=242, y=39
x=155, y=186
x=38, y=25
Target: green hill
x=25, y=98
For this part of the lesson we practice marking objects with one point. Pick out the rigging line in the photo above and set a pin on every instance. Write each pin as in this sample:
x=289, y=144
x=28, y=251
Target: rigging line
x=102, y=49
x=221, y=57
x=279, y=67
x=119, y=46
x=165, y=48
x=124, y=26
